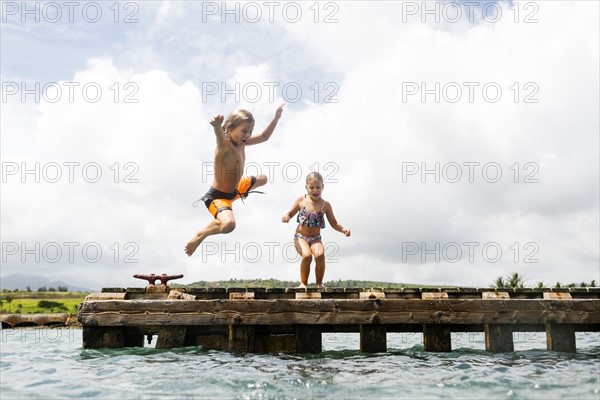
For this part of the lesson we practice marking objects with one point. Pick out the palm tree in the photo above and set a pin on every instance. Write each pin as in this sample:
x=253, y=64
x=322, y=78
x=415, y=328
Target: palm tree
x=499, y=282
x=540, y=285
x=558, y=285
x=593, y=283
x=515, y=280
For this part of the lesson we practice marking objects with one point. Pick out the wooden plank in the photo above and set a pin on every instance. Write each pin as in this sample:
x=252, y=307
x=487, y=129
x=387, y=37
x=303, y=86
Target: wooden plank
x=177, y=295
x=156, y=288
x=373, y=338
x=307, y=295
x=241, y=338
x=434, y=295
x=436, y=338
x=371, y=295
x=327, y=311
x=308, y=339
x=98, y=337
x=105, y=296
x=275, y=343
x=495, y=296
x=560, y=338
x=213, y=342
x=170, y=337
x=133, y=340
x=499, y=338
x=241, y=296
x=557, y=296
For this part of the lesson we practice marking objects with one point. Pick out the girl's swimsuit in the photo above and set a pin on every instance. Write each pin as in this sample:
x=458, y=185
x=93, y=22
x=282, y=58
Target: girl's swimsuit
x=311, y=219
x=308, y=239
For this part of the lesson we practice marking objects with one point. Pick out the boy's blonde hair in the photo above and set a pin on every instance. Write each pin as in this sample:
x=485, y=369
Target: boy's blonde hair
x=314, y=176
x=237, y=117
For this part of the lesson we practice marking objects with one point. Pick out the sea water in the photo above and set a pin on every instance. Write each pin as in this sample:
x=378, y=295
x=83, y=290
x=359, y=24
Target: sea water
x=51, y=364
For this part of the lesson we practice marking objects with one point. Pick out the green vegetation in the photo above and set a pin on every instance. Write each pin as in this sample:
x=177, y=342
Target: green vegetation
x=274, y=283
x=40, y=302
x=516, y=280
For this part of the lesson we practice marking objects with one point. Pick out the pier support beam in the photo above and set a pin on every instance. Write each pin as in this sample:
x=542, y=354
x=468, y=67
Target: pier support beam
x=98, y=337
x=373, y=338
x=136, y=340
x=499, y=338
x=560, y=338
x=241, y=338
x=436, y=338
x=209, y=337
x=170, y=337
x=308, y=339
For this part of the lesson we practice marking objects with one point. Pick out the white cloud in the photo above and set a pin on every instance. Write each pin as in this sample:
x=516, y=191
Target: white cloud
x=366, y=142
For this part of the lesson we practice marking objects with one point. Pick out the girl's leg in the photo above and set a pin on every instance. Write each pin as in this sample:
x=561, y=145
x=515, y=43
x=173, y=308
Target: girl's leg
x=224, y=223
x=318, y=251
x=306, y=257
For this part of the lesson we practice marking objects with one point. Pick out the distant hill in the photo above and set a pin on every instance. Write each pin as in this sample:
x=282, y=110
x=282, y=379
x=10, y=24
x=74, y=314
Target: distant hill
x=21, y=282
x=275, y=283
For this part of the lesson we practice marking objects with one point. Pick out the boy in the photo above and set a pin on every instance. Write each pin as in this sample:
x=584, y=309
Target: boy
x=228, y=184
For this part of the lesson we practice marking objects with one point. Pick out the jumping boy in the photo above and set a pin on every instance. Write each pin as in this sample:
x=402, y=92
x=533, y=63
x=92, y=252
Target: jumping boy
x=228, y=184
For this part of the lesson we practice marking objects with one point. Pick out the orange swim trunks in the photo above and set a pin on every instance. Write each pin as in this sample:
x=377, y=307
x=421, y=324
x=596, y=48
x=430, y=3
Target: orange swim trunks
x=217, y=201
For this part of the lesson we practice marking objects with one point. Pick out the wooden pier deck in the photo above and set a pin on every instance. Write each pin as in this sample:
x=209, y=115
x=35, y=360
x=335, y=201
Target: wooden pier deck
x=293, y=320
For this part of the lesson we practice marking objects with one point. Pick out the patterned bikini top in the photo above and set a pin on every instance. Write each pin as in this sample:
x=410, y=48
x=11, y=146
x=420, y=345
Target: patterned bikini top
x=310, y=218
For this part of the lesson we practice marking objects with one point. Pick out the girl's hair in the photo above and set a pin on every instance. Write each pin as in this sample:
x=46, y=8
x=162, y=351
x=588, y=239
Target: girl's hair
x=237, y=117
x=314, y=176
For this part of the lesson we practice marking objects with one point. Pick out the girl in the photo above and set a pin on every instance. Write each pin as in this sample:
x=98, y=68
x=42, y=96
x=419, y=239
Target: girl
x=312, y=209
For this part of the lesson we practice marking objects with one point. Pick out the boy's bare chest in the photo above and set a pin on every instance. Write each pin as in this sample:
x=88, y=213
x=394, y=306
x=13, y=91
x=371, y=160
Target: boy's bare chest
x=231, y=156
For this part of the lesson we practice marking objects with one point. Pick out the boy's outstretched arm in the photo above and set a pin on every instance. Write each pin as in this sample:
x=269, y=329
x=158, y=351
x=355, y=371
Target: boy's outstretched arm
x=266, y=134
x=217, y=124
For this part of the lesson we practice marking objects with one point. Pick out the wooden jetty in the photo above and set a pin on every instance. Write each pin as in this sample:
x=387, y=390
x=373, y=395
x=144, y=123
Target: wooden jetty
x=293, y=320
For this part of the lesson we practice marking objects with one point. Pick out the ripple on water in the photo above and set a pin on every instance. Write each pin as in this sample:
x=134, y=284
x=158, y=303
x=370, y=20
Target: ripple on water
x=406, y=371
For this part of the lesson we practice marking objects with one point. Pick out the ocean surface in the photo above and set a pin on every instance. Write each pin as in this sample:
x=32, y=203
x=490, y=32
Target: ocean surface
x=51, y=364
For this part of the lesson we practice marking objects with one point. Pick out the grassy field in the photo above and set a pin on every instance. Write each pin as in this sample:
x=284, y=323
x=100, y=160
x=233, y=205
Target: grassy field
x=27, y=302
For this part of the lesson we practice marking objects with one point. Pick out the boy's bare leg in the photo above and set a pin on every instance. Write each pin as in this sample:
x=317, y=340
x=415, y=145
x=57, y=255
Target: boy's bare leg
x=261, y=180
x=224, y=223
x=319, y=253
x=306, y=257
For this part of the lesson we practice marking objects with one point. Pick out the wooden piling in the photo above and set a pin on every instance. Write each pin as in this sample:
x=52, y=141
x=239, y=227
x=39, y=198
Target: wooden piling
x=210, y=337
x=308, y=339
x=170, y=337
x=499, y=338
x=133, y=340
x=241, y=338
x=436, y=338
x=98, y=337
x=560, y=338
x=373, y=338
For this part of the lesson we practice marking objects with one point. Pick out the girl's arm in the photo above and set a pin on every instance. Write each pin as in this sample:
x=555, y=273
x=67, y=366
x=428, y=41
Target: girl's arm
x=333, y=222
x=266, y=134
x=290, y=214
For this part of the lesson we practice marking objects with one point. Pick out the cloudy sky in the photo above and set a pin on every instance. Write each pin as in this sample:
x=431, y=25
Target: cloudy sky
x=459, y=141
